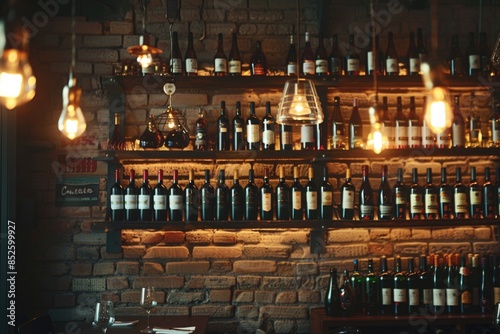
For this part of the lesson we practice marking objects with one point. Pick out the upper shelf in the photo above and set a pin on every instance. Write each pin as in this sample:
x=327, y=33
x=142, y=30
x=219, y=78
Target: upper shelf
x=295, y=156
x=351, y=83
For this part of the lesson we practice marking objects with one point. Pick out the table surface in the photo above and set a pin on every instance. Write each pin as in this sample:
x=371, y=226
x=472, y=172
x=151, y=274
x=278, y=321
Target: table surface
x=200, y=321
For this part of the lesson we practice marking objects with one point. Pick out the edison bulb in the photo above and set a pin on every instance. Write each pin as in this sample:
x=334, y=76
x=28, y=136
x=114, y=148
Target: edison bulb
x=438, y=113
x=145, y=60
x=72, y=122
x=17, y=82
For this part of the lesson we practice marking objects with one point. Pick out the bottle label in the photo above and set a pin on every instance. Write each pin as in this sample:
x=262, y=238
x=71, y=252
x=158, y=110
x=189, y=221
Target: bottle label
x=474, y=62
x=356, y=136
x=401, y=135
x=475, y=197
x=400, y=295
x=369, y=62
x=444, y=196
x=460, y=202
x=347, y=199
x=444, y=139
x=335, y=66
x=258, y=69
x=312, y=200
x=414, y=65
x=201, y=137
x=495, y=130
x=268, y=137
x=234, y=66
x=238, y=128
x=413, y=297
x=175, y=202
x=327, y=198
x=222, y=128
x=427, y=298
x=191, y=65
x=176, y=65
x=458, y=135
x=253, y=133
x=385, y=209
x=297, y=200
x=400, y=197
x=352, y=65
x=452, y=297
x=307, y=133
x=366, y=210
x=220, y=65
x=386, y=296
x=308, y=67
x=428, y=137
x=466, y=297
x=160, y=202
x=416, y=203
x=388, y=132
x=116, y=202
x=286, y=137
x=391, y=65
x=321, y=66
x=438, y=297
x=496, y=295
x=130, y=202
x=291, y=69
x=267, y=202
x=414, y=135
x=431, y=203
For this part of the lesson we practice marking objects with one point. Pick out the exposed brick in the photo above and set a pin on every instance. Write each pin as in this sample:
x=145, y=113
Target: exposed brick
x=103, y=41
x=420, y=233
x=222, y=237
x=135, y=296
x=182, y=297
x=166, y=252
x=217, y=252
x=482, y=233
x=309, y=296
x=151, y=237
x=348, y=235
x=117, y=283
x=162, y=282
x=121, y=28
x=264, y=297
x=352, y=251
x=379, y=249
x=243, y=296
x=295, y=237
x=81, y=269
x=110, y=256
x=306, y=268
x=199, y=237
x=267, y=251
x=127, y=268
x=247, y=311
x=410, y=248
x=450, y=247
x=261, y=266
x=98, y=55
x=286, y=312
x=248, y=282
x=398, y=234
x=196, y=267
x=249, y=237
x=133, y=252
x=174, y=237
x=285, y=269
x=286, y=297
x=279, y=283
x=220, y=296
x=222, y=266
x=103, y=268
x=152, y=268
x=214, y=311
x=486, y=247
x=87, y=253
x=60, y=252
x=380, y=234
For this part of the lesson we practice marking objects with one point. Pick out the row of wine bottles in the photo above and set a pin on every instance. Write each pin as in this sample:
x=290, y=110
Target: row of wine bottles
x=450, y=284
x=312, y=201
x=344, y=59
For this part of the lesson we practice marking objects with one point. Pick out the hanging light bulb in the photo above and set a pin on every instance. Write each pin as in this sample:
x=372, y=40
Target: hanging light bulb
x=17, y=82
x=376, y=140
x=438, y=114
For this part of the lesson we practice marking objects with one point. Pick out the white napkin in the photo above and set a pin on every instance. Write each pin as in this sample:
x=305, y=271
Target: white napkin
x=174, y=330
x=118, y=323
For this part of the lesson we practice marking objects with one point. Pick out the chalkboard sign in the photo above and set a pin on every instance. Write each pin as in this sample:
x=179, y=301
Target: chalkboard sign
x=77, y=192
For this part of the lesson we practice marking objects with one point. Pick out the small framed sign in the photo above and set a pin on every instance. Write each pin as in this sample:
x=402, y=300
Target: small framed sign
x=77, y=192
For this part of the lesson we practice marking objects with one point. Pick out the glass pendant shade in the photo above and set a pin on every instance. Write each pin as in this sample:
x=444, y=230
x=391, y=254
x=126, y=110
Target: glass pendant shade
x=299, y=104
x=72, y=122
x=438, y=114
x=144, y=51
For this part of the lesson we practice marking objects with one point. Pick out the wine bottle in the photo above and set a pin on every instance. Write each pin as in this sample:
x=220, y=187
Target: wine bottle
x=401, y=123
x=389, y=128
x=366, y=210
x=496, y=279
x=489, y=195
x=422, y=51
x=297, y=197
x=371, y=299
x=452, y=294
x=374, y=61
x=291, y=58
x=308, y=137
x=251, y=198
x=475, y=281
x=355, y=128
x=357, y=287
x=220, y=59
x=160, y=200
x=414, y=126
x=352, y=59
x=176, y=56
x=311, y=191
x=335, y=58
x=494, y=123
x=485, y=54
x=332, y=296
x=400, y=290
x=201, y=139
x=473, y=133
x=458, y=125
x=400, y=197
x=221, y=198
x=321, y=58
x=385, y=200
x=175, y=198
x=117, y=209
x=238, y=133
x=326, y=197
x=266, y=198
x=115, y=142
x=445, y=197
x=338, y=141
x=253, y=130
x=307, y=59
x=465, y=287
x=191, y=199
x=486, y=293
x=456, y=59
x=443, y=139
x=461, y=203
x=416, y=197
x=237, y=195
x=268, y=129
x=191, y=59
x=425, y=283
x=234, y=60
x=282, y=192
x=412, y=57
x=385, y=283
x=475, y=196
x=439, y=287
x=391, y=57
x=207, y=208
x=223, y=129
x=151, y=138
x=473, y=56
x=347, y=297
x=347, y=193
x=431, y=198
x=413, y=283
x=145, y=199
x=428, y=137
x=286, y=137
x=131, y=198
x=258, y=61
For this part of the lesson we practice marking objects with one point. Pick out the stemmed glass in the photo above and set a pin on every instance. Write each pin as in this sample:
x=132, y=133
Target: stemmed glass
x=148, y=302
x=104, y=315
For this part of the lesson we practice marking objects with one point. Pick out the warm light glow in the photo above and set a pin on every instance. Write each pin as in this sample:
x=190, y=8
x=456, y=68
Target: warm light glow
x=145, y=60
x=299, y=104
x=438, y=113
x=72, y=122
x=376, y=140
x=17, y=83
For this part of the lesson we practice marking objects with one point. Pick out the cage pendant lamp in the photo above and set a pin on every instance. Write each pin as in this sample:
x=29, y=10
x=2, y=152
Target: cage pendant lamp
x=299, y=104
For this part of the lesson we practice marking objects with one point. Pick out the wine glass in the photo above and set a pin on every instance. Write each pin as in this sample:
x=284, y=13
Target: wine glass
x=104, y=315
x=148, y=302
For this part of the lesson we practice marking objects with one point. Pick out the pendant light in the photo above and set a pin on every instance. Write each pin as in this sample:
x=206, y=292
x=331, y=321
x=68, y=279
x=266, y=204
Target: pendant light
x=72, y=122
x=300, y=104
x=17, y=82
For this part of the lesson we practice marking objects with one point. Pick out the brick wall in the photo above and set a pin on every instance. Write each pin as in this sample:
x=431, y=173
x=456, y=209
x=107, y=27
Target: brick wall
x=232, y=275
